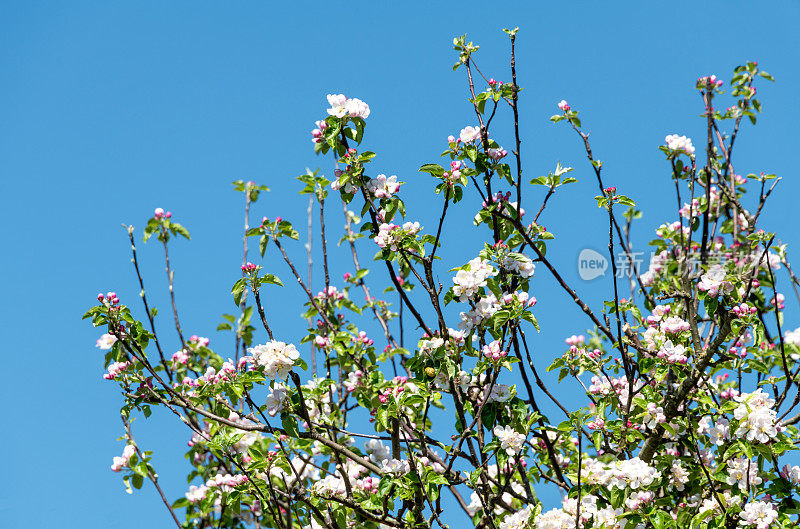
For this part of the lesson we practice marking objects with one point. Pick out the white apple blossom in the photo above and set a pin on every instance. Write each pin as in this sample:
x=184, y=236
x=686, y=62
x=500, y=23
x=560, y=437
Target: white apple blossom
x=510, y=440
x=395, y=466
x=467, y=282
x=469, y=134
x=519, y=264
x=276, y=357
x=757, y=419
x=759, y=514
x=106, y=341
x=714, y=280
x=519, y=520
x=382, y=186
x=680, y=144
x=276, y=399
x=121, y=462
x=378, y=452
x=743, y=473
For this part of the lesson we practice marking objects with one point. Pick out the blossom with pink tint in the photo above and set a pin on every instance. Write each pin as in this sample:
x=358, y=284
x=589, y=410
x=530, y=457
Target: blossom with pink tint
x=563, y=105
x=318, y=133
x=382, y=186
x=680, y=144
x=122, y=461
x=575, y=340
x=106, y=341
x=494, y=351
x=116, y=369
x=180, y=357
x=341, y=106
x=470, y=134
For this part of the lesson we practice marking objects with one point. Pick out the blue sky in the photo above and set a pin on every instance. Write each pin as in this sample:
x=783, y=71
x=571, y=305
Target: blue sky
x=110, y=109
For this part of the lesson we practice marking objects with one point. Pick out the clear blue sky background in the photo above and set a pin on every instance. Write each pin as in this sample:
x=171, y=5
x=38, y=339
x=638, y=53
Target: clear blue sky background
x=110, y=109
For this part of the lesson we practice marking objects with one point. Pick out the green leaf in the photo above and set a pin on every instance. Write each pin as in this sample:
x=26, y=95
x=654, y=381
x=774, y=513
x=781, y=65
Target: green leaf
x=290, y=425
x=179, y=230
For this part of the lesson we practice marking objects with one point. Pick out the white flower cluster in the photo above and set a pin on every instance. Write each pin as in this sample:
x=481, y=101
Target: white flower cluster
x=395, y=466
x=106, y=341
x=121, y=462
x=341, y=106
x=301, y=469
x=468, y=282
x=519, y=264
x=330, y=485
x=718, y=432
x=674, y=354
x=378, y=452
x=483, y=310
x=565, y=517
x=657, y=263
x=510, y=440
x=518, y=519
x=743, y=472
x=631, y=473
x=714, y=280
x=225, y=483
x=756, y=416
x=383, y=187
x=391, y=234
x=680, y=144
x=758, y=513
x=276, y=399
x=469, y=134
x=276, y=357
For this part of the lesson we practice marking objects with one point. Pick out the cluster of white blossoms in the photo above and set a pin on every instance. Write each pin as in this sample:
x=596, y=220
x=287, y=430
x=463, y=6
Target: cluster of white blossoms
x=743, y=472
x=121, y=462
x=756, y=416
x=680, y=144
x=510, y=440
x=377, y=451
x=653, y=416
x=395, y=466
x=674, y=354
x=793, y=337
x=341, y=106
x=330, y=485
x=106, y=341
x=468, y=282
x=591, y=515
x=631, y=473
x=759, y=514
x=518, y=519
x=225, y=483
x=483, y=310
x=276, y=399
x=714, y=280
x=657, y=263
x=718, y=432
x=301, y=469
x=713, y=503
x=383, y=187
x=519, y=265
x=390, y=234
x=679, y=477
x=276, y=357
x=469, y=134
